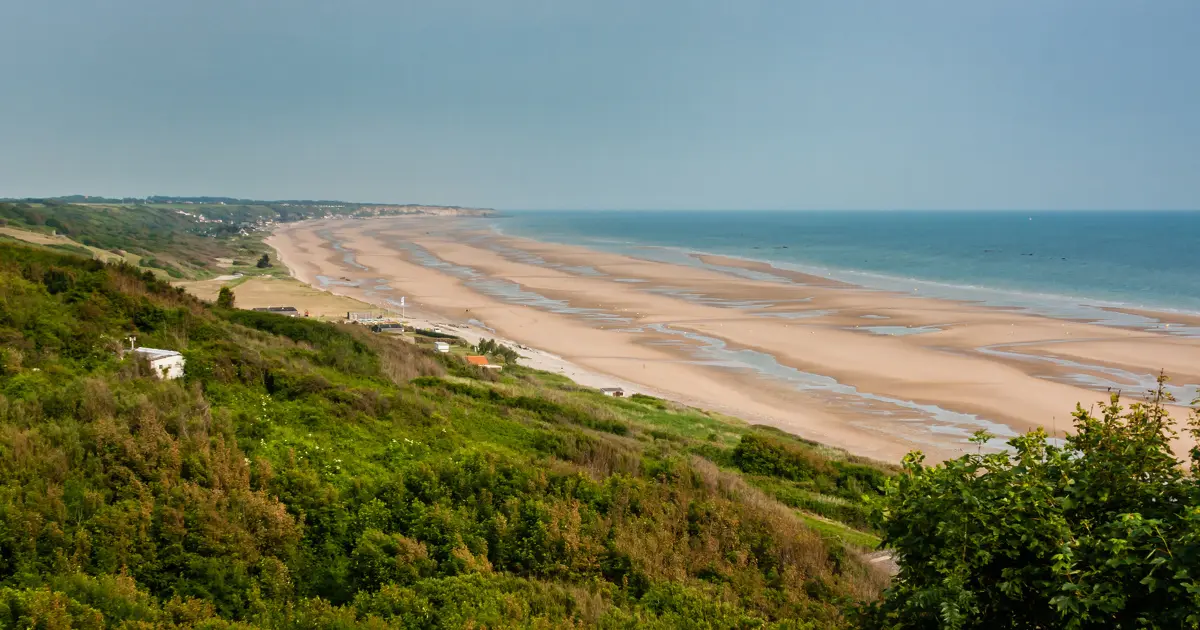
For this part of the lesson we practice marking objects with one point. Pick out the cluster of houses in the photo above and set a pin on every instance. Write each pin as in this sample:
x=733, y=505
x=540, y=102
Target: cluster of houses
x=168, y=364
x=197, y=217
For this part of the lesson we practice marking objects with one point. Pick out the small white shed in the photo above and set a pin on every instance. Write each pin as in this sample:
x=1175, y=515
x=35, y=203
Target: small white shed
x=166, y=364
x=441, y=346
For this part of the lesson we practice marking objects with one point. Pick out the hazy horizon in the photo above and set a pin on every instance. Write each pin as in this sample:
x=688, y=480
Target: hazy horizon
x=535, y=105
x=670, y=210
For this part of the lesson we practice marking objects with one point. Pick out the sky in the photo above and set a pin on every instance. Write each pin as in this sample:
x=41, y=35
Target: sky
x=560, y=104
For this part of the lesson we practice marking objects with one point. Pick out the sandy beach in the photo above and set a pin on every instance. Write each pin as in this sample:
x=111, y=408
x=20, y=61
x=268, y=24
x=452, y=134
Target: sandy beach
x=877, y=373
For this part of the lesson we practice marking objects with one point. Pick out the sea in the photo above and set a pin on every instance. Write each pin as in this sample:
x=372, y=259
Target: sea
x=1077, y=264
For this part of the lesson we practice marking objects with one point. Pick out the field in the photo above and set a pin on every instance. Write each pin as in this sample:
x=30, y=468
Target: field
x=263, y=291
x=65, y=244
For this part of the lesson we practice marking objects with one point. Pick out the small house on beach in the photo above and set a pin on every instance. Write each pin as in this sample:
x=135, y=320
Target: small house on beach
x=482, y=362
x=166, y=364
x=615, y=392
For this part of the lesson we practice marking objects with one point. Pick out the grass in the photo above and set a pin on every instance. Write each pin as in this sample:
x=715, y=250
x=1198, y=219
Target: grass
x=255, y=292
x=834, y=530
x=63, y=243
x=680, y=420
x=182, y=246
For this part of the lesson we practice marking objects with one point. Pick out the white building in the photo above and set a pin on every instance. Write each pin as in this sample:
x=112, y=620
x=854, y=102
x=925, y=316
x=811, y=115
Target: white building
x=441, y=346
x=166, y=364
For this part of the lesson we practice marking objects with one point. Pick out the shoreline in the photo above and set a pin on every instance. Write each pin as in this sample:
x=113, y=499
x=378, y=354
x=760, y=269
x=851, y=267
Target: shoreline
x=530, y=356
x=1037, y=301
x=875, y=372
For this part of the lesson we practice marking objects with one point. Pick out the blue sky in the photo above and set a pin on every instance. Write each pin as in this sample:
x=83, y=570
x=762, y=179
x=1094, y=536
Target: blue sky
x=614, y=104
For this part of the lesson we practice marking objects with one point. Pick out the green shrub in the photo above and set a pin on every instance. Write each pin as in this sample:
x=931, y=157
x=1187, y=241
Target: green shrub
x=1101, y=532
x=762, y=455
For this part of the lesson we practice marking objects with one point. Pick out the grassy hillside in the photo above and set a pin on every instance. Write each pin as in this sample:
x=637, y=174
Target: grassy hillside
x=307, y=475
x=177, y=245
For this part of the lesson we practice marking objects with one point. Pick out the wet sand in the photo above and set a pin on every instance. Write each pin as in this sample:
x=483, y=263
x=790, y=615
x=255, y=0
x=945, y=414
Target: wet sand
x=878, y=373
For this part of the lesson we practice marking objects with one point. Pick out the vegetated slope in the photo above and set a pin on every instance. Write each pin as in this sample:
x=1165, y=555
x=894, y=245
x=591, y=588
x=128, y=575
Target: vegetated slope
x=306, y=475
x=164, y=239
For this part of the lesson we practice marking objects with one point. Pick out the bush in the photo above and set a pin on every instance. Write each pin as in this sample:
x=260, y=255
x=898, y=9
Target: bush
x=761, y=455
x=1103, y=532
x=491, y=348
x=225, y=298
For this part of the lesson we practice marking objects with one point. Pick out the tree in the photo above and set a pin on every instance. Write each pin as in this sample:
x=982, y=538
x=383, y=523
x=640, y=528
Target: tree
x=264, y=262
x=225, y=297
x=58, y=226
x=1102, y=532
x=492, y=348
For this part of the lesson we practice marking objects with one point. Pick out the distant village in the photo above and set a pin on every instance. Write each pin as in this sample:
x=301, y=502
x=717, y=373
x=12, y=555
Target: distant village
x=320, y=211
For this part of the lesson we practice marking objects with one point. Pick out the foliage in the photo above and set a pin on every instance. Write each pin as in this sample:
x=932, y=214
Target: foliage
x=74, y=249
x=1102, y=532
x=776, y=457
x=492, y=348
x=177, y=242
x=152, y=262
x=433, y=334
x=309, y=475
x=263, y=262
x=225, y=298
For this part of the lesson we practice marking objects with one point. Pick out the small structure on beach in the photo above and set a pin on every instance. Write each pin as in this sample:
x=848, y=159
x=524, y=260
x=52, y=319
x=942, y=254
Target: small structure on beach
x=394, y=328
x=441, y=346
x=288, y=311
x=615, y=392
x=166, y=364
x=482, y=362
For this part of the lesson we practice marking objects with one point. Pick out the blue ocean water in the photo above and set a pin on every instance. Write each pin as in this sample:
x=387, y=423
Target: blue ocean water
x=1052, y=262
